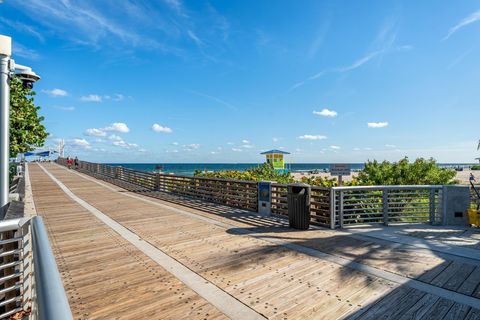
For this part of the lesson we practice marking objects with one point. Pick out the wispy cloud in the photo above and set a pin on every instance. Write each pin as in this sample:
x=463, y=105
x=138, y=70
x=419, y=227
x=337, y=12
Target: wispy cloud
x=91, y=98
x=384, y=42
x=325, y=113
x=312, y=137
x=459, y=59
x=191, y=147
x=213, y=98
x=24, y=52
x=473, y=17
x=377, y=124
x=22, y=27
x=159, y=128
x=335, y=147
x=63, y=108
x=56, y=92
x=319, y=38
x=194, y=37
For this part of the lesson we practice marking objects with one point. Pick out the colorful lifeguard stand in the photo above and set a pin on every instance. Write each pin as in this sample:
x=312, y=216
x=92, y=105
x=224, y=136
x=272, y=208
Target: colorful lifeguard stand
x=275, y=157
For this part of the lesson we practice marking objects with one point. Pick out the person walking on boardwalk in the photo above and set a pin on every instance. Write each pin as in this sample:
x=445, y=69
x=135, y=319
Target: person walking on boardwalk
x=69, y=163
x=75, y=162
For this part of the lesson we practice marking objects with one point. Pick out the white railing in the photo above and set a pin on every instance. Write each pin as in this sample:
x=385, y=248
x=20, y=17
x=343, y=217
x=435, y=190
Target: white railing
x=385, y=204
x=30, y=285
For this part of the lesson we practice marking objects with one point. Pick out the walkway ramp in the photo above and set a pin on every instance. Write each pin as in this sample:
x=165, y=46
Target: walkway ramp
x=128, y=256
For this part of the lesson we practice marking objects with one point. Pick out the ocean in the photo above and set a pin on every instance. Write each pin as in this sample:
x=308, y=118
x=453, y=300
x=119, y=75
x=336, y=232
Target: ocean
x=187, y=169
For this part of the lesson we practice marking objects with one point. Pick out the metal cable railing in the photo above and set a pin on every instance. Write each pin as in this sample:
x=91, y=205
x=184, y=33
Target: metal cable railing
x=30, y=284
x=385, y=204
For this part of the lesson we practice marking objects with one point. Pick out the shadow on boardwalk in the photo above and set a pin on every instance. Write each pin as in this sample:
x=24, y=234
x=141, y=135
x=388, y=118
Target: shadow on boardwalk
x=441, y=275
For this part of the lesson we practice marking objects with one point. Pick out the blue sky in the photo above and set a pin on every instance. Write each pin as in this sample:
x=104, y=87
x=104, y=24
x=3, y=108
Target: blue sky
x=220, y=81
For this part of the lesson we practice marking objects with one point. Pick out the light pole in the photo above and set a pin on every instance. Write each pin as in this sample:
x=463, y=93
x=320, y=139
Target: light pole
x=28, y=77
x=5, y=71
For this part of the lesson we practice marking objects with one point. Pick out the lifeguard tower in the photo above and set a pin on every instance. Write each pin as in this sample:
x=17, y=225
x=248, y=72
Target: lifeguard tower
x=275, y=157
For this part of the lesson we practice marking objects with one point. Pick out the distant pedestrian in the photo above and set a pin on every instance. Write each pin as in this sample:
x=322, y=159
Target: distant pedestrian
x=76, y=162
x=69, y=163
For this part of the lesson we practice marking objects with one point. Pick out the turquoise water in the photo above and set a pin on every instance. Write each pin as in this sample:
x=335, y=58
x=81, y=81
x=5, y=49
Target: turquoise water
x=187, y=169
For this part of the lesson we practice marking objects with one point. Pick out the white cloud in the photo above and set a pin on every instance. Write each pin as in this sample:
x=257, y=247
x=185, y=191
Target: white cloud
x=475, y=16
x=390, y=146
x=91, y=98
x=158, y=128
x=119, y=142
x=245, y=141
x=377, y=124
x=118, y=126
x=237, y=150
x=312, y=137
x=214, y=152
x=247, y=146
x=102, y=132
x=356, y=149
x=275, y=139
x=56, y=92
x=65, y=108
x=335, y=147
x=325, y=113
x=192, y=146
x=81, y=143
x=95, y=132
x=175, y=143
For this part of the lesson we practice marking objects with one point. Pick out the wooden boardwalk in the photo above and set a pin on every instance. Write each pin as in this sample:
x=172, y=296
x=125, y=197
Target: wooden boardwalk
x=250, y=267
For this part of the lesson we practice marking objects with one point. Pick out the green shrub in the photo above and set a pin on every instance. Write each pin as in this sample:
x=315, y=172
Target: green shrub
x=264, y=172
x=419, y=172
x=476, y=167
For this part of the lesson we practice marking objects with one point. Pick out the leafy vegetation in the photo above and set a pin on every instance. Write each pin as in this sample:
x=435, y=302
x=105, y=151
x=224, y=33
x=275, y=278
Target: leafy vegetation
x=26, y=129
x=264, y=172
x=476, y=167
x=403, y=172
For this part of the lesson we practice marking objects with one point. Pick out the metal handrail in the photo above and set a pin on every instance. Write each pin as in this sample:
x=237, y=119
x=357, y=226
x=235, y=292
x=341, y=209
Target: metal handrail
x=390, y=187
x=51, y=300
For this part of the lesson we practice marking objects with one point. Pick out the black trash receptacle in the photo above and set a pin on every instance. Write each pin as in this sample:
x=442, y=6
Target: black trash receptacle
x=298, y=198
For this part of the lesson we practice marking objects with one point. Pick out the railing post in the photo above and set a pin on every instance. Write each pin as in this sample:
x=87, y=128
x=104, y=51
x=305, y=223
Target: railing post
x=157, y=181
x=444, y=205
x=385, y=206
x=340, y=208
x=333, y=208
x=432, y=205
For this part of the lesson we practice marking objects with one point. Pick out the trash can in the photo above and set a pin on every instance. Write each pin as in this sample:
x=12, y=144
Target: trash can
x=474, y=217
x=298, y=198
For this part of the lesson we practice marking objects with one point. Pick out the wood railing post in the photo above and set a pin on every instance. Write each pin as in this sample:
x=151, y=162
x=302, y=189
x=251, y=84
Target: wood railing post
x=157, y=182
x=385, y=206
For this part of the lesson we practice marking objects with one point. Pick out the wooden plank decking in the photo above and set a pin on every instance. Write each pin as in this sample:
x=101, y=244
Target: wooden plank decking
x=254, y=260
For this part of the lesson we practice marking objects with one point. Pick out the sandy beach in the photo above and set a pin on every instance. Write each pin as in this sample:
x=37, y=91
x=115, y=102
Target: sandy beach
x=462, y=176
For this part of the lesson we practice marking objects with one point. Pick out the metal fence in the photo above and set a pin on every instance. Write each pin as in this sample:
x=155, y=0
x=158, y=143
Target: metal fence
x=385, y=204
x=30, y=285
